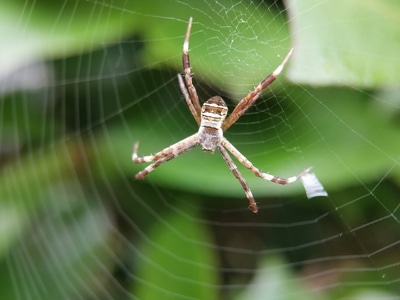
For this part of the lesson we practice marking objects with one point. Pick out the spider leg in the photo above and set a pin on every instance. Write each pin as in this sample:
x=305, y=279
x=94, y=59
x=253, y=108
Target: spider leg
x=251, y=97
x=248, y=164
x=239, y=177
x=164, y=155
x=189, y=102
x=195, y=106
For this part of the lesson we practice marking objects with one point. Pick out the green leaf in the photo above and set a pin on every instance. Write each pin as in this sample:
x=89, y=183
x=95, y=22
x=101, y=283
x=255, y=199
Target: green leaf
x=64, y=255
x=31, y=32
x=345, y=42
x=176, y=259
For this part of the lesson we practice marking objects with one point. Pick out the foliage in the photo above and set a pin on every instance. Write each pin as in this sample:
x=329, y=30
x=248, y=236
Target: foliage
x=67, y=193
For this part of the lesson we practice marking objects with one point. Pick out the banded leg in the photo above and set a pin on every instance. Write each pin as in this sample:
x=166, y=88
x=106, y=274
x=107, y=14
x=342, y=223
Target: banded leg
x=196, y=114
x=248, y=164
x=239, y=177
x=251, y=97
x=164, y=155
x=188, y=75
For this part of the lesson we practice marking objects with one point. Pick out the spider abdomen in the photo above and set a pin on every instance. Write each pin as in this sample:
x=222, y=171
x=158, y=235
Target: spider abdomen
x=213, y=113
x=209, y=138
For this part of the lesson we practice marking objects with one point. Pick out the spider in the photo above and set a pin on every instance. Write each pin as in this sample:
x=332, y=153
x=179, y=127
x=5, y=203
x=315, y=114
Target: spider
x=212, y=123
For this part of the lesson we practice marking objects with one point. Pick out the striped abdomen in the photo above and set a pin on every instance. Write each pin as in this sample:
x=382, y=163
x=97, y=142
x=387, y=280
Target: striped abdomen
x=213, y=113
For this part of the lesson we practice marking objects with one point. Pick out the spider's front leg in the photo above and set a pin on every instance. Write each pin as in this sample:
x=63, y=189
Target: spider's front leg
x=164, y=155
x=251, y=97
x=136, y=159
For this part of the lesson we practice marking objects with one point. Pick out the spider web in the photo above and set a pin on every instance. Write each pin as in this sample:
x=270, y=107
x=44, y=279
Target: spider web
x=80, y=82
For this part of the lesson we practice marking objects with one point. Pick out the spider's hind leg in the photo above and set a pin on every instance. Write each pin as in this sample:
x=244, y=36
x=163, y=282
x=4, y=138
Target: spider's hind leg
x=239, y=177
x=249, y=165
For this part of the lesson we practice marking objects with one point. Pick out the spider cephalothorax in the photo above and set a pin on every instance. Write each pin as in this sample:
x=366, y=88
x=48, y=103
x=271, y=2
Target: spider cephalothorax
x=212, y=121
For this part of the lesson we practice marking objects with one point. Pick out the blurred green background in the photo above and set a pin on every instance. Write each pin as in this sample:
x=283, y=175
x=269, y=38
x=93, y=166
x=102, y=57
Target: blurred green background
x=81, y=81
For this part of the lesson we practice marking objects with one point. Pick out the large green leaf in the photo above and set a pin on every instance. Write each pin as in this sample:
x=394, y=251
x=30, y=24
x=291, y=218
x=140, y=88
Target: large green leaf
x=42, y=29
x=176, y=259
x=345, y=42
x=64, y=254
